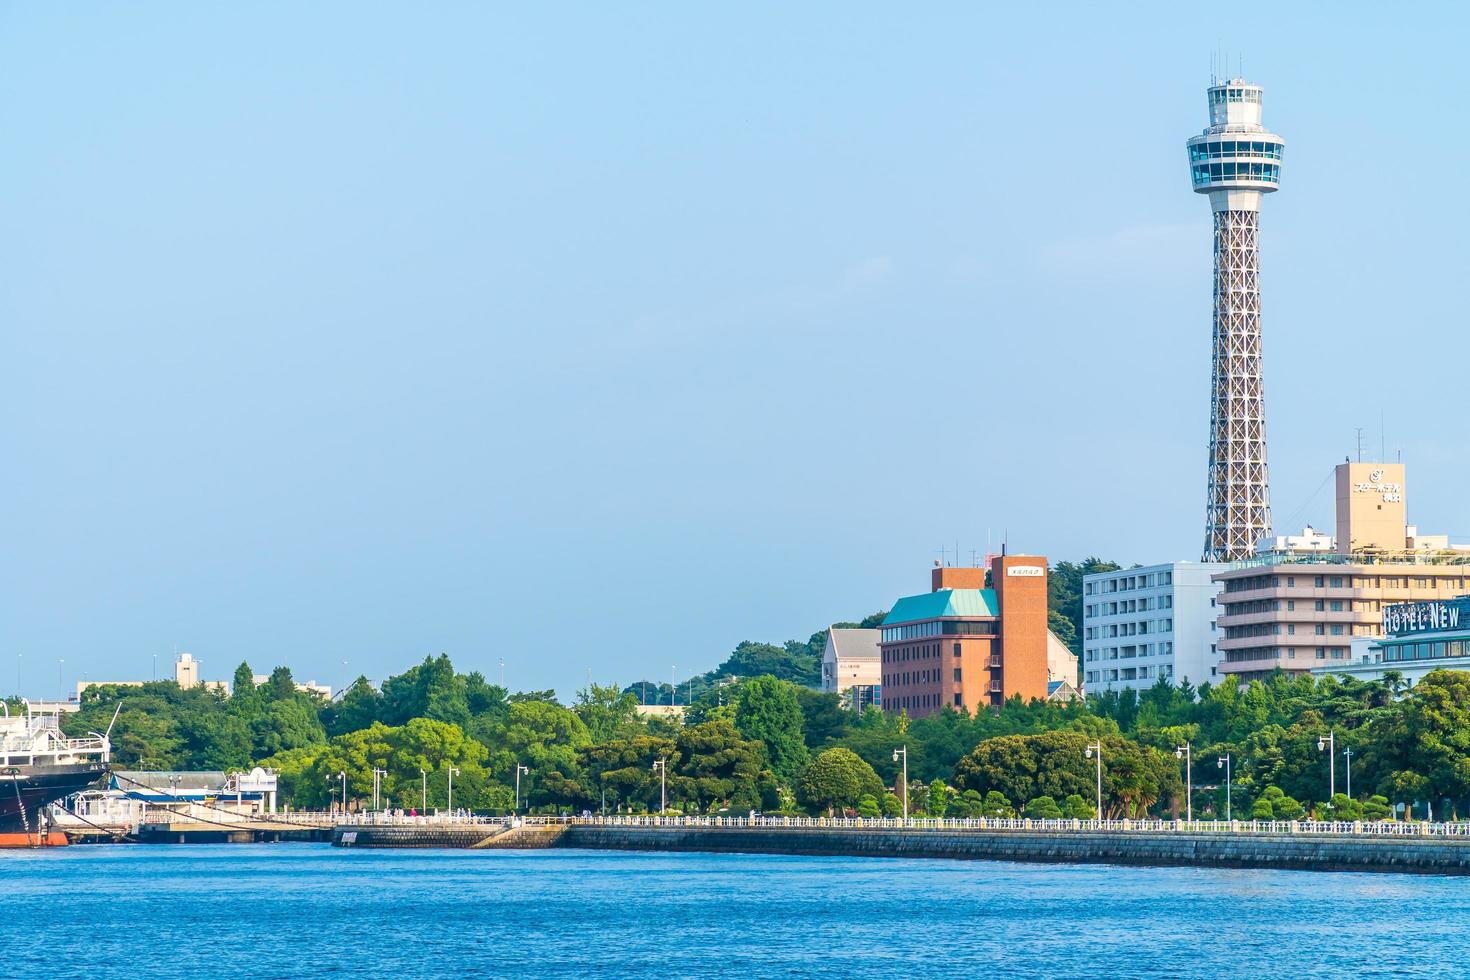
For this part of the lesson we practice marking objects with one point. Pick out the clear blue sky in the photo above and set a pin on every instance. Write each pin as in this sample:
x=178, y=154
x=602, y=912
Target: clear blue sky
x=611, y=336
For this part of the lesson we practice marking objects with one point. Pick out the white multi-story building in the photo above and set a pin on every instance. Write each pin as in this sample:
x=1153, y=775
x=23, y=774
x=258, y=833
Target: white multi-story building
x=1140, y=624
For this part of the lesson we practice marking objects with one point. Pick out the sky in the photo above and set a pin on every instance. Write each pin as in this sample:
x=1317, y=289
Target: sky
x=598, y=338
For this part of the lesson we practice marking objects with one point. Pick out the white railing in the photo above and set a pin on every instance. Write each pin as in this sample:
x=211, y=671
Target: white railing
x=1362, y=828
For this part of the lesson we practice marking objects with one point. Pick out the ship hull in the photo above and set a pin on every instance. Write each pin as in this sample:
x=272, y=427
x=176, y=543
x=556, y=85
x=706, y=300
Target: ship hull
x=25, y=791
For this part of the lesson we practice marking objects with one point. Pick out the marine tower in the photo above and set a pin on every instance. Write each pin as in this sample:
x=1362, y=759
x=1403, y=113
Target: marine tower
x=1235, y=161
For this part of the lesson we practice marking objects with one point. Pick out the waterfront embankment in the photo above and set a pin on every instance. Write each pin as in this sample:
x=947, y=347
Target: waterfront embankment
x=1285, y=847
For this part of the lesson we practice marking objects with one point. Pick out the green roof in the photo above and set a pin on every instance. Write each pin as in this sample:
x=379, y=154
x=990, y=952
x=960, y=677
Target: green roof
x=945, y=602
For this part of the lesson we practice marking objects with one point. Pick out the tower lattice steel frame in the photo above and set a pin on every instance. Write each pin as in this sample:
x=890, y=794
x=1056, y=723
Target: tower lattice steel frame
x=1235, y=161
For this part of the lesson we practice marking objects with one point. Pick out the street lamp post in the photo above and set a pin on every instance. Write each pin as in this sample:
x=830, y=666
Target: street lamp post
x=519, y=769
x=424, y=791
x=1224, y=761
x=450, y=804
x=1095, y=751
x=1329, y=743
x=905, y=753
x=1186, y=753
x=1348, y=755
x=662, y=765
x=343, y=777
x=378, y=775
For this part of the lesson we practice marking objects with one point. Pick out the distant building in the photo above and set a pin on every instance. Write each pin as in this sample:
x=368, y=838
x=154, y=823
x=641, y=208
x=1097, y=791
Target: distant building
x=1419, y=637
x=1297, y=610
x=308, y=687
x=1061, y=662
x=1141, y=624
x=967, y=643
x=1061, y=691
x=186, y=671
x=852, y=665
x=668, y=712
x=82, y=686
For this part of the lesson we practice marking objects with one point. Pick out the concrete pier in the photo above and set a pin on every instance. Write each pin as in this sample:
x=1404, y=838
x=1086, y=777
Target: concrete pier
x=1221, y=849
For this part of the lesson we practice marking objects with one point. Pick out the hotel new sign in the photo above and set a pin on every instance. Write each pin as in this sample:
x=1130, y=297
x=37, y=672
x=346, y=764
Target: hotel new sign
x=1425, y=617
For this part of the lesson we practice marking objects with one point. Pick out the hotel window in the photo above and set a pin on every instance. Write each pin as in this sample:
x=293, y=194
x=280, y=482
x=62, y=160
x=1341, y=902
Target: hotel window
x=1291, y=605
x=1320, y=629
x=1336, y=630
x=1291, y=629
x=1319, y=581
x=956, y=673
x=1319, y=606
x=956, y=649
x=959, y=700
x=1291, y=581
x=1336, y=605
x=1336, y=581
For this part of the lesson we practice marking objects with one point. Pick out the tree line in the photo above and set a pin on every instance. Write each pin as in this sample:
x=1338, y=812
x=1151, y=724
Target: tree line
x=766, y=743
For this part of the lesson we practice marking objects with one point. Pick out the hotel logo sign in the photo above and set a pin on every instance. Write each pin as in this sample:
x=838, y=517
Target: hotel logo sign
x=1393, y=493
x=1025, y=571
x=1424, y=617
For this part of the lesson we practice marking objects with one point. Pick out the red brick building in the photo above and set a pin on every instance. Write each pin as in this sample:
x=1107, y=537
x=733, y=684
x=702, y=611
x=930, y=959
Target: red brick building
x=968, y=643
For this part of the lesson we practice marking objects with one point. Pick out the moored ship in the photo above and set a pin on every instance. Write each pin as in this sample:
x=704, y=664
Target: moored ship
x=39, y=765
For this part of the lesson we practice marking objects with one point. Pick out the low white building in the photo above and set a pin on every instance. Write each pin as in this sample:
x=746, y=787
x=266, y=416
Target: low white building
x=852, y=665
x=1140, y=624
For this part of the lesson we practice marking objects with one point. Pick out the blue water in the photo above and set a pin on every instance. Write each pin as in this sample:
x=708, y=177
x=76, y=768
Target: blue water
x=285, y=910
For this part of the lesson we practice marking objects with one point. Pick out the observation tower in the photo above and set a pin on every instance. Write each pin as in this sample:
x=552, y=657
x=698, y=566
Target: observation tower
x=1235, y=161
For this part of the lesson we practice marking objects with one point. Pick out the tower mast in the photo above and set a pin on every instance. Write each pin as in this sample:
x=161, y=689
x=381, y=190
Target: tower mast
x=1235, y=161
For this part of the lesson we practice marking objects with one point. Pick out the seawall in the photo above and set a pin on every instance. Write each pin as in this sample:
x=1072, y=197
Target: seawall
x=1303, y=852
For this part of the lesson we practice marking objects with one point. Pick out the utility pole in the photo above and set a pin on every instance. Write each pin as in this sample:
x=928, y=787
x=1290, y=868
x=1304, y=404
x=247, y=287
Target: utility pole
x=1224, y=760
x=904, y=751
x=519, y=769
x=662, y=765
x=378, y=775
x=1095, y=750
x=1328, y=742
x=1348, y=754
x=452, y=773
x=1186, y=753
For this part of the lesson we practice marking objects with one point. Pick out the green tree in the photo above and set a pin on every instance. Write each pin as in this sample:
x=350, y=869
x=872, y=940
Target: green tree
x=1077, y=808
x=717, y=768
x=892, y=805
x=1377, y=808
x=358, y=707
x=607, y=712
x=1283, y=807
x=837, y=779
x=937, y=802
x=868, y=808
x=1043, y=808
x=1344, y=807
x=770, y=713
x=1427, y=747
x=996, y=805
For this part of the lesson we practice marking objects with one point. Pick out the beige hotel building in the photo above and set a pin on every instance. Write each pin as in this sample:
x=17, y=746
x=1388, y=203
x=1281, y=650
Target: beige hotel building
x=1302, y=600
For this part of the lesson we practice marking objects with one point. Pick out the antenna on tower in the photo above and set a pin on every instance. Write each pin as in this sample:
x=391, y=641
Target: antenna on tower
x=1360, y=443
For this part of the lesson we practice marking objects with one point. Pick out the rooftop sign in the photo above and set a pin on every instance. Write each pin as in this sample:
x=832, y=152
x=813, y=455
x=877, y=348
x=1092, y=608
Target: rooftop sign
x=1432, y=616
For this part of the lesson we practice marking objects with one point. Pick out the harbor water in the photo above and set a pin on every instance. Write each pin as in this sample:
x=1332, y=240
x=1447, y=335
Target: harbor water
x=285, y=910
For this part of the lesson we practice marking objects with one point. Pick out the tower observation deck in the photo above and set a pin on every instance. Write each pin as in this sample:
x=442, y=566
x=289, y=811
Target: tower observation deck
x=1235, y=161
